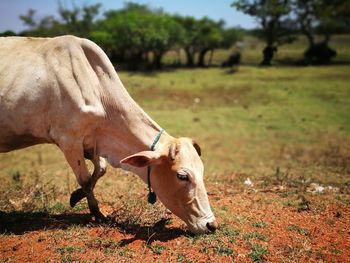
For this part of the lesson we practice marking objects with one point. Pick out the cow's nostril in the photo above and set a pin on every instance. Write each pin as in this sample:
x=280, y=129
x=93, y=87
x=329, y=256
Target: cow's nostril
x=212, y=226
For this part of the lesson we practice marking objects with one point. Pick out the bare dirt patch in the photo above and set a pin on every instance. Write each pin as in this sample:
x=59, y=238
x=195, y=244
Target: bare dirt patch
x=254, y=226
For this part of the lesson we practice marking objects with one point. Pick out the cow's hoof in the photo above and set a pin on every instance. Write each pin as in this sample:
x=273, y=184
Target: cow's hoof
x=76, y=196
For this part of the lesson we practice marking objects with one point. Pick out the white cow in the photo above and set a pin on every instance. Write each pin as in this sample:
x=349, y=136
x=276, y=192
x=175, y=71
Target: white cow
x=65, y=91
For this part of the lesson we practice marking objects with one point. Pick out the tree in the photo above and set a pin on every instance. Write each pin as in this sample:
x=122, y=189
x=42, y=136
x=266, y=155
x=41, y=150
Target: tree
x=76, y=21
x=200, y=37
x=210, y=36
x=168, y=34
x=190, y=27
x=230, y=36
x=8, y=33
x=135, y=32
x=79, y=20
x=274, y=20
x=321, y=17
x=45, y=27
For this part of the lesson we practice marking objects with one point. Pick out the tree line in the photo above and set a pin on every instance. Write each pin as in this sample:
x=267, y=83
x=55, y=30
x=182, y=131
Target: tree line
x=139, y=36
x=281, y=21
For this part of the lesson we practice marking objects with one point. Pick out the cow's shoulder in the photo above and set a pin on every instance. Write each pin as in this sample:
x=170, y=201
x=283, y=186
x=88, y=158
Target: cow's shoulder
x=77, y=84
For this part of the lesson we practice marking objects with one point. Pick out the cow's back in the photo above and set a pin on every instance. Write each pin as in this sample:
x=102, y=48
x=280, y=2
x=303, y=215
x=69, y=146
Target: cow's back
x=45, y=83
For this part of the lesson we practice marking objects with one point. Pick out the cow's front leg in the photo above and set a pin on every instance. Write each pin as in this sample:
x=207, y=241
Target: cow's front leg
x=100, y=166
x=75, y=157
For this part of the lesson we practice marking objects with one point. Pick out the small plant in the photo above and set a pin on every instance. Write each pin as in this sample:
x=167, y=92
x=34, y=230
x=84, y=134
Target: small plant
x=303, y=204
x=168, y=222
x=299, y=230
x=67, y=259
x=41, y=238
x=57, y=208
x=204, y=250
x=7, y=259
x=224, y=251
x=241, y=219
x=227, y=230
x=16, y=178
x=80, y=207
x=286, y=194
x=157, y=249
x=260, y=224
x=69, y=249
x=126, y=252
x=66, y=253
x=180, y=258
x=320, y=255
x=335, y=250
x=257, y=253
x=107, y=245
x=255, y=235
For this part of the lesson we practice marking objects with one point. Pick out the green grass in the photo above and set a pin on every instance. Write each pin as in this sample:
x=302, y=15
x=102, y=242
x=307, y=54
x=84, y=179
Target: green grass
x=260, y=224
x=299, y=230
x=255, y=235
x=257, y=253
x=266, y=116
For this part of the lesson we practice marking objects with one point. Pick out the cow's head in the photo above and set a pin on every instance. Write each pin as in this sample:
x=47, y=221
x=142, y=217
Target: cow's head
x=177, y=179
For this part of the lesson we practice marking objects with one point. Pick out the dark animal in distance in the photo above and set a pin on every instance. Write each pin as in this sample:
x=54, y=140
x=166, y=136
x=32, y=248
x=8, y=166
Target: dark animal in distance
x=233, y=61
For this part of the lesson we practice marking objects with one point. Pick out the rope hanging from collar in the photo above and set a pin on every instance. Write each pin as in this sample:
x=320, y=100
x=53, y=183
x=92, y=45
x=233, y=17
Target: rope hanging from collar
x=152, y=197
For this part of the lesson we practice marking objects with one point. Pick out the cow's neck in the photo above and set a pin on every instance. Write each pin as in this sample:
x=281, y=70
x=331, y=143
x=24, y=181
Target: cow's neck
x=126, y=131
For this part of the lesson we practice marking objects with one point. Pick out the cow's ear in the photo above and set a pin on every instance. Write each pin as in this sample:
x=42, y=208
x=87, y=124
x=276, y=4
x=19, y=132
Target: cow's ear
x=196, y=146
x=142, y=159
x=173, y=150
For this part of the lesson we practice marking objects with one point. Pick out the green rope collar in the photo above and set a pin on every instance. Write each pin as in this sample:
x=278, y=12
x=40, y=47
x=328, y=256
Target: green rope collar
x=152, y=197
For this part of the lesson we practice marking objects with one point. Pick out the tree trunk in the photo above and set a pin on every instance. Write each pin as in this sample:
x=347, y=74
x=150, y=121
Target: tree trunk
x=310, y=38
x=202, y=53
x=268, y=54
x=157, y=59
x=190, y=57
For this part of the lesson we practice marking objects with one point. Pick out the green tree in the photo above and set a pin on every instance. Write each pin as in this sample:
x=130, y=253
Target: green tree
x=127, y=33
x=79, y=20
x=8, y=33
x=136, y=32
x=230, y=36
x=321, y=17
x=274, y=20
x=200, y=37
x=210, y=37
x=190, y=26
x=168, y=34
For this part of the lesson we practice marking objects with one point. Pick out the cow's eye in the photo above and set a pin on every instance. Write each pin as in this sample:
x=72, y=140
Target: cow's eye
x=183, y=176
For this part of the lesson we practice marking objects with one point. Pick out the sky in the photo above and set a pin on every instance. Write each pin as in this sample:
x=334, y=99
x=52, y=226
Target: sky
x=10, y=10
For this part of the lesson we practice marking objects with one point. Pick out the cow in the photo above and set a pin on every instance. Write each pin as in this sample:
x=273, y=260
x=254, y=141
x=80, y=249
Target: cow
x=232, y=62
x=65, y=91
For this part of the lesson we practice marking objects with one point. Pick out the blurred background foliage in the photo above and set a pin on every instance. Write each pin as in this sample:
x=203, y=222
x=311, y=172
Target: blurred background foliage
x=138, y=36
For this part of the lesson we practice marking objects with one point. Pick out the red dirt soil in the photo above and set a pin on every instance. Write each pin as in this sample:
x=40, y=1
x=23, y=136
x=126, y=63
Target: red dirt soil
x=321, y=234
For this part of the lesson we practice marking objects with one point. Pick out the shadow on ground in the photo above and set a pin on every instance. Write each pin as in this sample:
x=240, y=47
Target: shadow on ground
x=20, y=222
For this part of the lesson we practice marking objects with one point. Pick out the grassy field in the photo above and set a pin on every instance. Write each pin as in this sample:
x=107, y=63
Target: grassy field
x=286, y=128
